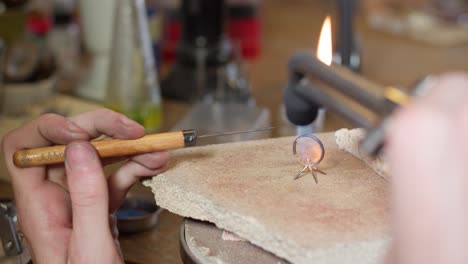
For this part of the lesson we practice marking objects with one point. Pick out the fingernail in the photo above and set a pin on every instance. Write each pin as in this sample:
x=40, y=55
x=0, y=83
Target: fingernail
x=133, y=127
x=75, y=130
x=129, y=122
x=80, y=155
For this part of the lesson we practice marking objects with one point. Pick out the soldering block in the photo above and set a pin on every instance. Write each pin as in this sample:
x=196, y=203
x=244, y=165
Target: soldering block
x=349, y=139
x=247, y=188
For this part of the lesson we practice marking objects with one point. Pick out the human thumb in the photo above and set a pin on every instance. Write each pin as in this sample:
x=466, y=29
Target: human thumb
x=89, y=199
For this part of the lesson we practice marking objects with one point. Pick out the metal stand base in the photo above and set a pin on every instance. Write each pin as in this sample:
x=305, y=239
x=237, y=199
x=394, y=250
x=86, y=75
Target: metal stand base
x=201, y=242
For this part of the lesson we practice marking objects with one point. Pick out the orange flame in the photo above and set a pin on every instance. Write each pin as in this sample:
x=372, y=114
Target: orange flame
x=324, y=49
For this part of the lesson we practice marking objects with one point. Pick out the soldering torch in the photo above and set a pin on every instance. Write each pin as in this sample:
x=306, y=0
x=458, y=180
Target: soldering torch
x=313, y=84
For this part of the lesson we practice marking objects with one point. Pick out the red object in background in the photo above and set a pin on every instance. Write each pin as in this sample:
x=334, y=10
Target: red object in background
x=172, y=31
x=246, y=32
x=38, y=24
x=244, y=28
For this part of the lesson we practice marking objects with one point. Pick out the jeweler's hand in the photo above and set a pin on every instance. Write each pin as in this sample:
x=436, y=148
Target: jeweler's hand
x=64, y=211
x=428, y=155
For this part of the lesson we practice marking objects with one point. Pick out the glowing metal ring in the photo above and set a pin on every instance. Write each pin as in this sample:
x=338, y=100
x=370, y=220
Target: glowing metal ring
x=317, y=140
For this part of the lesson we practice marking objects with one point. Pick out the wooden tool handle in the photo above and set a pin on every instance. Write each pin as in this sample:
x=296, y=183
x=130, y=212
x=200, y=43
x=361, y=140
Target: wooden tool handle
x=108, y=148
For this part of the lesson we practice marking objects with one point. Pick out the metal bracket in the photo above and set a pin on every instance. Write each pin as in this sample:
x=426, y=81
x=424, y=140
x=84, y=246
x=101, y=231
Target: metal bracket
x=11, y=240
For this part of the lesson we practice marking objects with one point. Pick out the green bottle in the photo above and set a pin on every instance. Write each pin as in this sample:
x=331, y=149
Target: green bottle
x=133, y=84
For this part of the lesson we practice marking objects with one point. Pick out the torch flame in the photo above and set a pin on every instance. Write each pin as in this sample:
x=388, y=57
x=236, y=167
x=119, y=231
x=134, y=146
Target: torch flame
x=324, y=49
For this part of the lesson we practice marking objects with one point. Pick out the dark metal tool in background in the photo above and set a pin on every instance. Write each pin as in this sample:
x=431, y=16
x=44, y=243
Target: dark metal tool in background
x=310, y=78
x=13, y=248
x=119, y=147
x=207, y=64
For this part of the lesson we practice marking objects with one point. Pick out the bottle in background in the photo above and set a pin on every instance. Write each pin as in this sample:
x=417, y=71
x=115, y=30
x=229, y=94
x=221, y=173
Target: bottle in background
x=133, y=84
x=96, y=28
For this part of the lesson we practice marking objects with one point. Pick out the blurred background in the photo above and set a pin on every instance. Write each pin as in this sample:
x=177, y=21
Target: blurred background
x=211, y=65
x=167, y=62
